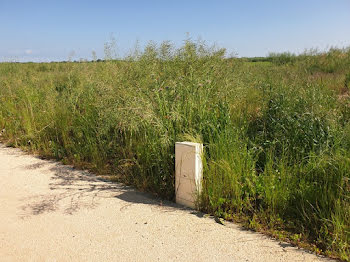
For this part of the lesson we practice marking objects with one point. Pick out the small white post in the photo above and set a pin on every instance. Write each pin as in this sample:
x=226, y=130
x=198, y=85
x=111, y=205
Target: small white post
x=188, y=172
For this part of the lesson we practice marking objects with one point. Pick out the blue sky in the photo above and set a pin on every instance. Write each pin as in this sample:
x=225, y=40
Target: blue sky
x=50, y=30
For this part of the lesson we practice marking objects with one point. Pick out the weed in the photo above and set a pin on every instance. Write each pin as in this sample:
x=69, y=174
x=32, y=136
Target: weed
x=275, y=133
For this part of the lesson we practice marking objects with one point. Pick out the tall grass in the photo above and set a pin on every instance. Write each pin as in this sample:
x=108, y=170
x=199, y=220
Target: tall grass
x=276, y=134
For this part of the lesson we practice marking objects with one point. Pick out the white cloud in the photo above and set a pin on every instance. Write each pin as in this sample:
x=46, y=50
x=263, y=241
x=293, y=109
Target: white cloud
x=28, y=51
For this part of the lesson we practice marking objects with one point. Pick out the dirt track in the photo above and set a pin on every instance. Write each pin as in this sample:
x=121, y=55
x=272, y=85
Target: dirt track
x=50, y=212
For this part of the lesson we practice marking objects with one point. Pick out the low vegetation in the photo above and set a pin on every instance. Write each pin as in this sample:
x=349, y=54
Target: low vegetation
x=276, y=131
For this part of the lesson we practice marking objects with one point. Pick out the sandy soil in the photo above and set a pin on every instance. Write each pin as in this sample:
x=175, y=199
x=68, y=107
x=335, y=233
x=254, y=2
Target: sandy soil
x=51, y=212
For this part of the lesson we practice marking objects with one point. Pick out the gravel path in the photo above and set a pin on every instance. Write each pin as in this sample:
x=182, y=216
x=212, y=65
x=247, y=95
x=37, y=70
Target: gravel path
x=51, y=212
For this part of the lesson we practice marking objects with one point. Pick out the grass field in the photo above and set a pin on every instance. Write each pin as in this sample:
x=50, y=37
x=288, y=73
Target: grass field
x=276, y=131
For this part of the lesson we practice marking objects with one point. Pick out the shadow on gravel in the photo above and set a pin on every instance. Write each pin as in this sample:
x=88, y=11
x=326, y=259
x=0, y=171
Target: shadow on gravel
x=71, y=190
x=37, y=165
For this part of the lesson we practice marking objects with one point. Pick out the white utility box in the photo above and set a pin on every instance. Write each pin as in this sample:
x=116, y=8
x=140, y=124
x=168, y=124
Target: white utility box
x=188, y=172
